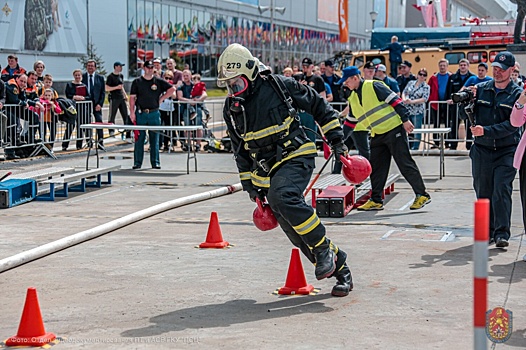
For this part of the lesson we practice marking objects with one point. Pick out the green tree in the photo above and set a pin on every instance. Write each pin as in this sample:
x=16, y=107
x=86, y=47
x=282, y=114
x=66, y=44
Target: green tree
x=92, y=55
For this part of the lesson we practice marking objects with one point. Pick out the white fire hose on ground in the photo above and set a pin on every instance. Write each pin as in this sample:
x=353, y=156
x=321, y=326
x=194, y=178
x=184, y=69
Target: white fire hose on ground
x=69, y=241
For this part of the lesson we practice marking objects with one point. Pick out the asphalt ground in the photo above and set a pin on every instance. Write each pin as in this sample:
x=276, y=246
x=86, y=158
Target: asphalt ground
x=146, y=285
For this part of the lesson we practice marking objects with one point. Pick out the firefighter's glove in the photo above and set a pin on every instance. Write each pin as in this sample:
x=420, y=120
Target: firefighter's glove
x=339, y=149
x=255, y=193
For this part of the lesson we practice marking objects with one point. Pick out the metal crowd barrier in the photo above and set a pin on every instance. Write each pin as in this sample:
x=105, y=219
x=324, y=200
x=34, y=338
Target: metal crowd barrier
x=211, y=115
x=441, y=117
x=43, y=135
x=26, y=133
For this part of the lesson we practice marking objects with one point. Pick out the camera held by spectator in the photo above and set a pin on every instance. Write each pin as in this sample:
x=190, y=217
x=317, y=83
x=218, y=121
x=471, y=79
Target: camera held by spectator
x=467, y=98
x=463, y=96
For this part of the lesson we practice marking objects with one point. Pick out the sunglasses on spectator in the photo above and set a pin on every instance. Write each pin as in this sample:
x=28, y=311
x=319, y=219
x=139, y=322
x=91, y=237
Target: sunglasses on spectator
x=422, y=74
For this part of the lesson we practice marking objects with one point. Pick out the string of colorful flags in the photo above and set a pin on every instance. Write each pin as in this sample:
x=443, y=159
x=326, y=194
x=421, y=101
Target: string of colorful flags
x=225, y=31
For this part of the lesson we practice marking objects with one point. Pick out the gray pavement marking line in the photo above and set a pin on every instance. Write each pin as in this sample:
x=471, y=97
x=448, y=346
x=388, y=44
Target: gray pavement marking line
x=83, y=198
x=405, y=206
x=186, y=220
x=418, y=235
x=517, y=259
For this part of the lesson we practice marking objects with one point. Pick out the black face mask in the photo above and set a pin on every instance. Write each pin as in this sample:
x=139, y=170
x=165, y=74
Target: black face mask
x=235, y=104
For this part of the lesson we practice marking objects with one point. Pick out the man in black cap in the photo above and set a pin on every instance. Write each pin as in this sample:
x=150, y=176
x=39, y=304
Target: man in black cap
x=309, y=78
x=316, y=82
x=495, y=143
x=369, y=69
x=332, y=79
x=405, y=75
x=118, y=97
x=146, y=94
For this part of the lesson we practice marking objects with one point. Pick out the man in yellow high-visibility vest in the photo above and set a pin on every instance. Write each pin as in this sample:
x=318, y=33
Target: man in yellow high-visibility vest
x=381, y=110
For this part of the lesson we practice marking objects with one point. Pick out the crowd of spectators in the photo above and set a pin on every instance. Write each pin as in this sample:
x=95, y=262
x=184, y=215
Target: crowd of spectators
x=30, y=107
x=422, y=93
x=493, y=132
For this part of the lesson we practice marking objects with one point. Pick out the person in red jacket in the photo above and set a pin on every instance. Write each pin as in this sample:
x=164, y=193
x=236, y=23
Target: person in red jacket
x=437, y=96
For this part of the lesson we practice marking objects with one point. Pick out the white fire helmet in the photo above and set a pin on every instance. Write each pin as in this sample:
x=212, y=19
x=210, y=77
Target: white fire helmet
x=236, y=64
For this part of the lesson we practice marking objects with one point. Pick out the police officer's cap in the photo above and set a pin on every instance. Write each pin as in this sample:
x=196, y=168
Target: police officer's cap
x=348, y=72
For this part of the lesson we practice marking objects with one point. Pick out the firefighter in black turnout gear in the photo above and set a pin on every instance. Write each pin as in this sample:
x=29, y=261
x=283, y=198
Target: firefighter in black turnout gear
x=275, y=158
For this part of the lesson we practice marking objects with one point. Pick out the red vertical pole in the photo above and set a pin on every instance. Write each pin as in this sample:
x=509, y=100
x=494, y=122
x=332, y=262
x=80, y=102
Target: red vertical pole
x=480, y=272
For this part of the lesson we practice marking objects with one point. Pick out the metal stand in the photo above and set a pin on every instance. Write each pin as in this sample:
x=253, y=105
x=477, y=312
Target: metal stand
x=89, y=145
x=42, y=146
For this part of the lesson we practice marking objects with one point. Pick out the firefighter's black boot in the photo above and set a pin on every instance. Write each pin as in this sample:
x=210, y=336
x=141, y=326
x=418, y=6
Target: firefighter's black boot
x=342, y=273
x=325, y=260
x=344, y=282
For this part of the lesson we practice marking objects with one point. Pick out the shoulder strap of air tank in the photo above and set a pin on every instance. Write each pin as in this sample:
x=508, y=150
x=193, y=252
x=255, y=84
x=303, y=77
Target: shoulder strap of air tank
x=281, y=89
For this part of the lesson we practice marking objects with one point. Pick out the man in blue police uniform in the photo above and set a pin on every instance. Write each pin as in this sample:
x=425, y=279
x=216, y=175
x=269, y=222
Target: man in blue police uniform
x=495, y=143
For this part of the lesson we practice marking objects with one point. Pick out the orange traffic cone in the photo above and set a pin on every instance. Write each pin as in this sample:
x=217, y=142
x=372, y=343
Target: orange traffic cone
x=214, y=238
x=31, y=330
x=296, y=282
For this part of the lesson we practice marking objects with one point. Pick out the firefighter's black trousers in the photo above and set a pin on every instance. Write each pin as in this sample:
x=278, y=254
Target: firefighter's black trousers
x=295, y=216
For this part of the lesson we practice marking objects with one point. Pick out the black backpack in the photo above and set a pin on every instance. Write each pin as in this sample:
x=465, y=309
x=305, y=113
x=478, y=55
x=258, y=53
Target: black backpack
x=69, y=110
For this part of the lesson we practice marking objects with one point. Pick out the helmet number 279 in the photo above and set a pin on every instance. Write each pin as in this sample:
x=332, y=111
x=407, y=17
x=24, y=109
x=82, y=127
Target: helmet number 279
x=232, y=65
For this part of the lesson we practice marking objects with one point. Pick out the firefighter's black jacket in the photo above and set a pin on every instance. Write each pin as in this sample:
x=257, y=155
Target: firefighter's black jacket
x=271, y=135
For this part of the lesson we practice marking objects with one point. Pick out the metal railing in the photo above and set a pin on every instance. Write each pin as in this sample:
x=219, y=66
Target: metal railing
x=449, y=116
x=27, y=132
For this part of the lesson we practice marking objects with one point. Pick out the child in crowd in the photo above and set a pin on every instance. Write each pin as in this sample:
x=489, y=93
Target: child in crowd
x=48, y=84
x=50, y=105
x=169, y=116
x=197, y=91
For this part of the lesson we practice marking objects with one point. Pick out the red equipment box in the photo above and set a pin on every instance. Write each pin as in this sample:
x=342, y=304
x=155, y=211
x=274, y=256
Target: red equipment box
x=335, y=201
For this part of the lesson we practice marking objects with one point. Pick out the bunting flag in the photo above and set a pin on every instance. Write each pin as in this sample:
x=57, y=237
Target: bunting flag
x=170, y=31
x=343, y=20
x=131, y=29
x=147, y=28
x=159, y=34
x=225, y=30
